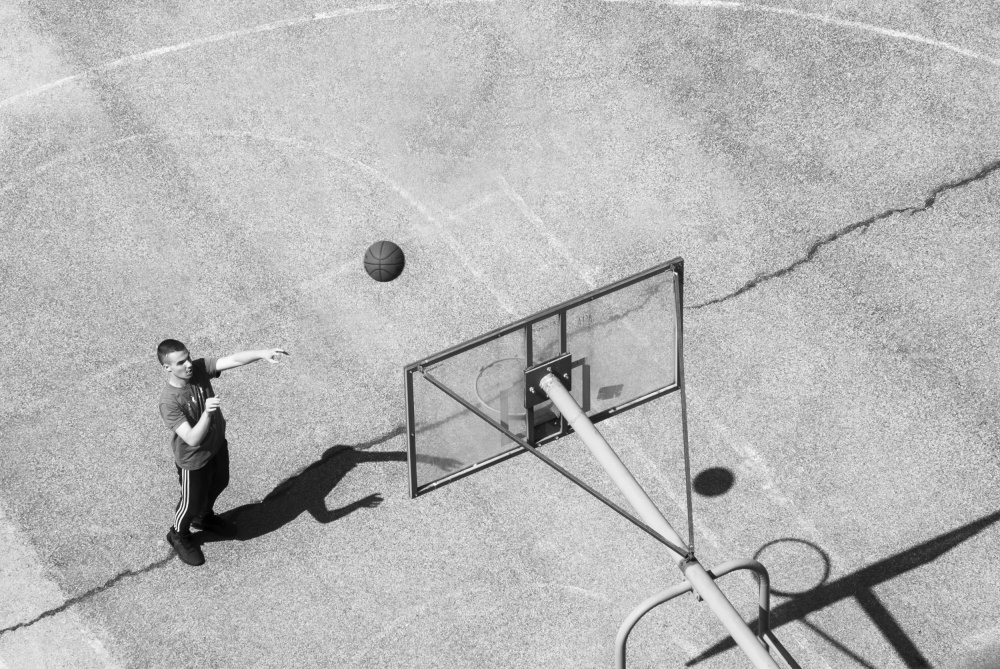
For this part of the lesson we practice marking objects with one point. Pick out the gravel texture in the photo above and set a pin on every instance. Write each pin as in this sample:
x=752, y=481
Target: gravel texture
x=215, y=174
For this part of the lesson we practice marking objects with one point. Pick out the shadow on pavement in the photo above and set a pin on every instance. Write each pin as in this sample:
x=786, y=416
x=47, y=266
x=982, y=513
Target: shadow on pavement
x=861, y=587
x=306, y=492
x=714, y=481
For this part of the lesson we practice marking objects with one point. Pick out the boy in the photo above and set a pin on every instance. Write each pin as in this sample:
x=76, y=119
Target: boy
x=190, y=410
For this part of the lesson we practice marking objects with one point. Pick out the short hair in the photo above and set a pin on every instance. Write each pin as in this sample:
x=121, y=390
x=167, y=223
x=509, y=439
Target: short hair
x=168, y=346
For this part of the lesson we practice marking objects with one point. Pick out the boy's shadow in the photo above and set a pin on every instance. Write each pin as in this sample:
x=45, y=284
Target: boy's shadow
x=307, y=492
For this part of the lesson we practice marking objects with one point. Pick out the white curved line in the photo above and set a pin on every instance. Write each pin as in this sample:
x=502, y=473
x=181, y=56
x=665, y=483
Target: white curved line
x=425, y=211
x=395, y=627
x=823, y=18
x=589, y=594
x=323, y=16
x=221, y=37
x=359, y=167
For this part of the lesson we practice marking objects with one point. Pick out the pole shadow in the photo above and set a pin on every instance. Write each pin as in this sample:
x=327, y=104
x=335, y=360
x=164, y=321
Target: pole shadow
x=861, y=587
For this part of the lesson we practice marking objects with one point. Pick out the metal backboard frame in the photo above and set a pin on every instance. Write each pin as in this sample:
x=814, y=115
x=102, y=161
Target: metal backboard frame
x=542, y=425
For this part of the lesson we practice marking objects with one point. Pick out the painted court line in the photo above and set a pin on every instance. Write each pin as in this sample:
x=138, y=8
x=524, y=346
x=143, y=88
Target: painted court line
x=223, y=37
x=356, y=166
x=472, y=206
x=822, y=18
x=397, y=625
x=751, y=459
x=351, y=11
x=453, y=243
x=425, y=211
x=585, y=272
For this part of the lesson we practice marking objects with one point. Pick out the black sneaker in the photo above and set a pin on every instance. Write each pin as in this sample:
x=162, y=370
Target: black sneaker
x=187, y=549
x=214, y=524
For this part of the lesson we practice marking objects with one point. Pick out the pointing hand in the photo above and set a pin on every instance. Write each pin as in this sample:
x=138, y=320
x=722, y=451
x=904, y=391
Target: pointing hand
x=273, y=355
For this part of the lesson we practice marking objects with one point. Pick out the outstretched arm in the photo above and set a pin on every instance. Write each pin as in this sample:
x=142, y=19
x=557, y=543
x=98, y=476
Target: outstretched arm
x=324, y=515
x=246, y=357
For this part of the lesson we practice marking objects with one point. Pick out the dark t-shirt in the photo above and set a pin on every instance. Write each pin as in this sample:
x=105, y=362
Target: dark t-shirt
x=179, y=405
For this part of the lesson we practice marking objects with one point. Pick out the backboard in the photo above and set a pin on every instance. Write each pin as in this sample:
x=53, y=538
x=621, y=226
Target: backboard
x=623, y=346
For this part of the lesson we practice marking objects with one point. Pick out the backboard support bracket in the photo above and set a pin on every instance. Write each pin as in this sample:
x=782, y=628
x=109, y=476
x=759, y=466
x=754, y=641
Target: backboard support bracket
x=561, y=366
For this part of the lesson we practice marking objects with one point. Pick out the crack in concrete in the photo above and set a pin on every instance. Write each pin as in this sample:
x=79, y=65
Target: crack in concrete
x=111, y=582
x=929, y=202
x=398, y=430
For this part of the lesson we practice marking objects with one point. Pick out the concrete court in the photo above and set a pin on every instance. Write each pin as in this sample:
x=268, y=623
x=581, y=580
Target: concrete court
x=215, y=172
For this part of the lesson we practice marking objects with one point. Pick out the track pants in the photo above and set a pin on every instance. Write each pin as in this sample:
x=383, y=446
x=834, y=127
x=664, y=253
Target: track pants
x=200, y=488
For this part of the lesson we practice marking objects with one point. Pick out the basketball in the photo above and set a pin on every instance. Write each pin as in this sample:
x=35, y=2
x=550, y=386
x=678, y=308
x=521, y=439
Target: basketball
x=384, y=261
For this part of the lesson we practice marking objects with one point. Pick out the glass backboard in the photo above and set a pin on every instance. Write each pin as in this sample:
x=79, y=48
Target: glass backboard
x=623, y=340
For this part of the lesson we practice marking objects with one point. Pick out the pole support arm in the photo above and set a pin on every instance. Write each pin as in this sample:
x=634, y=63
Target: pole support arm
x=701, y=582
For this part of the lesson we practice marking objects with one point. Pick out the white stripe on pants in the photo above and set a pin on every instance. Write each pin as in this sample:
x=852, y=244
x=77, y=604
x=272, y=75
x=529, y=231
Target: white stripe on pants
x=185, y=503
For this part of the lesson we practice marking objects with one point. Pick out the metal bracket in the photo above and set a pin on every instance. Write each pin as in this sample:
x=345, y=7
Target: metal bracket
x=764, y=632
x=559, y=366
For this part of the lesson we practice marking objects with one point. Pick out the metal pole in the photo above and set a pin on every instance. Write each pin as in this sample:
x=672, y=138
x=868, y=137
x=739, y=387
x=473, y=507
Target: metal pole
x=764, y=587
x=696, y=575
x=660, y=598
x=645, y=607
x=679, y=311
x=547, y=460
